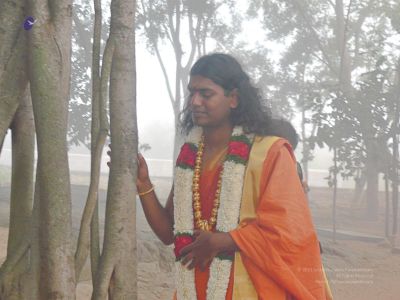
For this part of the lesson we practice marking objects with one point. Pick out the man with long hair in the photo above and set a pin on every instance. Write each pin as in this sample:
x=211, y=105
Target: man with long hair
x=236, y=213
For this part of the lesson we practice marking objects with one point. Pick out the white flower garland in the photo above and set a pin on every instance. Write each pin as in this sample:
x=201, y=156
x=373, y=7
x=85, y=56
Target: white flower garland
x=227, y=220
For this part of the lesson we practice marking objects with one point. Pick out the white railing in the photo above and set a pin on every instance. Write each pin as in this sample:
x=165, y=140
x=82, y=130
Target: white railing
x=164, y=168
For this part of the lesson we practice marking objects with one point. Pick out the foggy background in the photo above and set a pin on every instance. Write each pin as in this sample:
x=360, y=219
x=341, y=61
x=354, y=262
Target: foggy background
x=333, y=73
x=154, y=111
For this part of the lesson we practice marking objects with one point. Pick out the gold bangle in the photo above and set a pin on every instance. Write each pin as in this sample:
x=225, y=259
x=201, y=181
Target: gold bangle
x=147, y=192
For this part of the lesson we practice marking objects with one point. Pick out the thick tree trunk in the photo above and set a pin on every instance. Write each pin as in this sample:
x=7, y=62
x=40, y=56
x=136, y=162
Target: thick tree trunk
x=117, y=268
x=11, y=14
x=49, y=66
x=13, y=78
x=21, y=199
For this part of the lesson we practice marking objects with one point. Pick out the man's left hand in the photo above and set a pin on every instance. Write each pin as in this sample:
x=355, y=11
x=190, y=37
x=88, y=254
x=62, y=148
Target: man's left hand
x=205, y=247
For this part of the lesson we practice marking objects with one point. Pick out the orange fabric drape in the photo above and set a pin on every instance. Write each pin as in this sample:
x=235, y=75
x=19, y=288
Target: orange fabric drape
x=279, y=248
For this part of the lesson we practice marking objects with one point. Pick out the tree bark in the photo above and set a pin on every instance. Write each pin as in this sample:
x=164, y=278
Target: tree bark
x=11, y=14
x=49, y=73
x=13, y=80
x=117, y=268
x=23, y=149
x=96, y=95
x=21, y=199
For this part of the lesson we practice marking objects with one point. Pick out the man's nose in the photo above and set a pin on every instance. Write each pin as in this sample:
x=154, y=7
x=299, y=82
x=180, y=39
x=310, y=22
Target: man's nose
x=196, y=99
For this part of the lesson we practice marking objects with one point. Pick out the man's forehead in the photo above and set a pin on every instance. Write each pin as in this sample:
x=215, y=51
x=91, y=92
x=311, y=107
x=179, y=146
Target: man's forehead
x=202, y=83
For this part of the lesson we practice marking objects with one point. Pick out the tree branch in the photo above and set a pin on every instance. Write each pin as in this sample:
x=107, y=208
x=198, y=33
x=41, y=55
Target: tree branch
x=306, y=18
x=192, y=40
x=164, y=70
x=82, y=250
x=171, y=23
x=97, y=123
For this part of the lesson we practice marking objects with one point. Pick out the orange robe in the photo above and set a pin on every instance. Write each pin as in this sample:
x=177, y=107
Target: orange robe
x=278, y=248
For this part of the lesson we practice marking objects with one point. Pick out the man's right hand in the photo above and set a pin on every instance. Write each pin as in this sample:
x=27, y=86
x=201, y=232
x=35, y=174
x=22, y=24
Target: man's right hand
x=143, y=182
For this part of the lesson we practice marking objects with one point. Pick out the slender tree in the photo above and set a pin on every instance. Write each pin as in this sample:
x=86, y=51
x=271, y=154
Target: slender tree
x=116, y=273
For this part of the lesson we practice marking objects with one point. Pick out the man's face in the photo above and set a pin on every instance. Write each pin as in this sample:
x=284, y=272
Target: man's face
x=209, y=105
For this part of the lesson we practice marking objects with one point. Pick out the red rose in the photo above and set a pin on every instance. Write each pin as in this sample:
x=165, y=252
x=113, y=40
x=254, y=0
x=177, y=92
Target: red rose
x=180, y=242
x=187, y=156
x=239, y=149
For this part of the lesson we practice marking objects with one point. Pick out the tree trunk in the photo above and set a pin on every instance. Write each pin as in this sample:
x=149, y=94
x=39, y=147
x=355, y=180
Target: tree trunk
x=50, y=67
x=359, y=187
x=117, y=268
x=372, y=188
x=23, y=149
x=96, y=95
x=395, y=164
x=21, y=199
x=13, y=77
x=305, y=147
x=11, y=14
x=335, y=171
x=387, y=200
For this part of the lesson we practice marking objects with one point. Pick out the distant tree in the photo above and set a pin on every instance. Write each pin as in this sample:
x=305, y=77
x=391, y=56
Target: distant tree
x=395, y=130
x=335, y=42
x=184, y=27
x=81, y=62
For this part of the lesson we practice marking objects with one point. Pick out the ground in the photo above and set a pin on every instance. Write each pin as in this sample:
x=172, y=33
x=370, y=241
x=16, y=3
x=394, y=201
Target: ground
x=360, y=263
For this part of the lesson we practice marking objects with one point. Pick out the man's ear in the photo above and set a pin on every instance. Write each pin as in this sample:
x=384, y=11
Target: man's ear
x=234, y=98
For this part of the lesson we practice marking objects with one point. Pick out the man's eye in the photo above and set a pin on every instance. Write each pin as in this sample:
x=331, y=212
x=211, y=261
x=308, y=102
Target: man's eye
x=205, y=95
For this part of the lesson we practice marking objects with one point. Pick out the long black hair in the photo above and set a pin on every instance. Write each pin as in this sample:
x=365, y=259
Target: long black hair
x=226, y=71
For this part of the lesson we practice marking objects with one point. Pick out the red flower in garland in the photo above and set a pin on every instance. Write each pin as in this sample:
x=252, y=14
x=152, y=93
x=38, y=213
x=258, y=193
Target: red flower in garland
x=180, y=242
x=240, y=149
x=187, y=156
